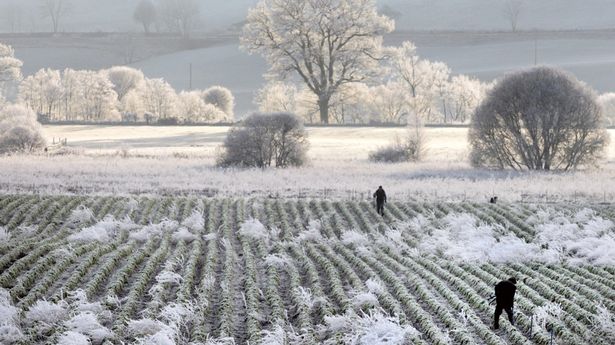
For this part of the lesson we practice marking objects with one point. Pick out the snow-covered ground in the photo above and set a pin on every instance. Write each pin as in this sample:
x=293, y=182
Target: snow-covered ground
x=181, y=160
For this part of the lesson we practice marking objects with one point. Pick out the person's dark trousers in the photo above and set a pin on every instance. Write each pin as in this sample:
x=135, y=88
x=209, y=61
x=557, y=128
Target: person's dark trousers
x=498, y=312
x=380, y=208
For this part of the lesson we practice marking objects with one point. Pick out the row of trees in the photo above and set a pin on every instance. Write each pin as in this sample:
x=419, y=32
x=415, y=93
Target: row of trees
x=120, y=94
x=410, y=87
x=334, y=50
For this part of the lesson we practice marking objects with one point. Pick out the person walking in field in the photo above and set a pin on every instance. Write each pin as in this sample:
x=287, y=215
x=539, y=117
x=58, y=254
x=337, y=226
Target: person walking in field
x=504, y=299
x=381, y=199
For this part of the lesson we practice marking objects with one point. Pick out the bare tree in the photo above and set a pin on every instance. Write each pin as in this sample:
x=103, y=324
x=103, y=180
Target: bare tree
x=538, y=119
x=180, y=15
x=12, y=15
x=145, y=14
x=55, y=10
x=326, y=43
x=265, y=140
x=512, y=11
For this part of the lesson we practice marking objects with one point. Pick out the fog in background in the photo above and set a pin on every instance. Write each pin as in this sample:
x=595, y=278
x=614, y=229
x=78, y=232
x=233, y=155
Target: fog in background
x=472, y=36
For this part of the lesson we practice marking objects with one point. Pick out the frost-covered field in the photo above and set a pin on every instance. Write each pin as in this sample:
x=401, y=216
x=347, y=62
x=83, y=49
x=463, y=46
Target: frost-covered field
x=180, y=160
x=264, y=271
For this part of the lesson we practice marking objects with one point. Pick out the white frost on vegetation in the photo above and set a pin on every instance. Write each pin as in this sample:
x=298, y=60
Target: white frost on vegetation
x=103, y=231
x=352, y=237
x=364, y=300
x=195, y=221
x=578, y=238
x=47, y=313
x=277, y=260
x=153, y=230
x=80, y=215
x=168, y=277
x=254, y=229
x=183, y=234
x=375, y=286
x=603, y=326
x=312, y=233
x=9, y=317
x=368, y=329
x=87, y=323
x=73, y=338
x=547, y=314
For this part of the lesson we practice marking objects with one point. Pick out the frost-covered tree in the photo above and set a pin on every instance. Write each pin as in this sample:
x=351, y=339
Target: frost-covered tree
x=538, y=119
x=265, y=140
x=607, y=103
x=10, y=68
x=222, y=98
x=325, y=43
x=159, y=98
x=423, y=78
x=464, y=95
x=42, y=92
x=193, y=109
x=390, y=103
x=55, y=10
x=352, y=104
x=19, y=130
x=179, y=16
x=145, y=14
x=512, y=11
x=124, y=80
x=98, y=99
x=277, y=97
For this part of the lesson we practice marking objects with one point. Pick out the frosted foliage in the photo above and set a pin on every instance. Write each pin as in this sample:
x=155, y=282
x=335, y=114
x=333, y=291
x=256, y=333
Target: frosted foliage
x=159, y=98
x=607, y=103
x=368, y=329
x=183, y=234
x=254, y=229
x=355, y=238
x=546, y=314
x=604, y=326
x=124, y=80
x=276, y=97
x=276, y=28
x=10, y=67
x=88, y=324
x=46, y=313
x=195, y=110
x=19, y=130
x=578, y=238
x=103, y=231
x=73, y=338
x=195, y=221
x=153, y=230
x=81, y=215
x=221, y=98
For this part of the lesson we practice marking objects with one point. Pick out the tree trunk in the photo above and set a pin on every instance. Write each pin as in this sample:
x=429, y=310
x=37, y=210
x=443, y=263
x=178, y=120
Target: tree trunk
x=323, y=106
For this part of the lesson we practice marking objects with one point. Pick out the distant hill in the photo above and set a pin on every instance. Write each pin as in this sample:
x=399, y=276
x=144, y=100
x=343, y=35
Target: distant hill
x=116, y=15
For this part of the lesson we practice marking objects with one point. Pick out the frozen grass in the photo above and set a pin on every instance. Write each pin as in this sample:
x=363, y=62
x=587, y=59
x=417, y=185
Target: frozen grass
x=164, y=161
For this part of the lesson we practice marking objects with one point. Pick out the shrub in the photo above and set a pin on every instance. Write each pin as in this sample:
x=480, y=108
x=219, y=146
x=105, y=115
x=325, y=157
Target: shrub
x=19, y=130
x=410, y=149
x=538, y=119
x=265, y=140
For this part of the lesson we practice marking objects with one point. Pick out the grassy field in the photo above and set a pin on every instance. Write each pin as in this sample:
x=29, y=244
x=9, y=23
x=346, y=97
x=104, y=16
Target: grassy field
x=266, y=271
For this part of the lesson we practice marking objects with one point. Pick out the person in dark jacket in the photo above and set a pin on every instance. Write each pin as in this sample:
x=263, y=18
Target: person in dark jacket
x=381, y=199
x=505, y=299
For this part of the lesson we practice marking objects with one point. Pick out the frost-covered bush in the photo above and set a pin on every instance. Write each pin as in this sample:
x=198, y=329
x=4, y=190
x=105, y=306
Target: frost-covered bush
x=19, y=130
x=222, y=98
x=265, y=140
x=374, y=328
x=73, y=338
x=411, y=148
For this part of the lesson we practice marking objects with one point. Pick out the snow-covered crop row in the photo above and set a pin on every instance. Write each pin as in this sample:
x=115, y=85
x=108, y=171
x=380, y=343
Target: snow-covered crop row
x=111, y=270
